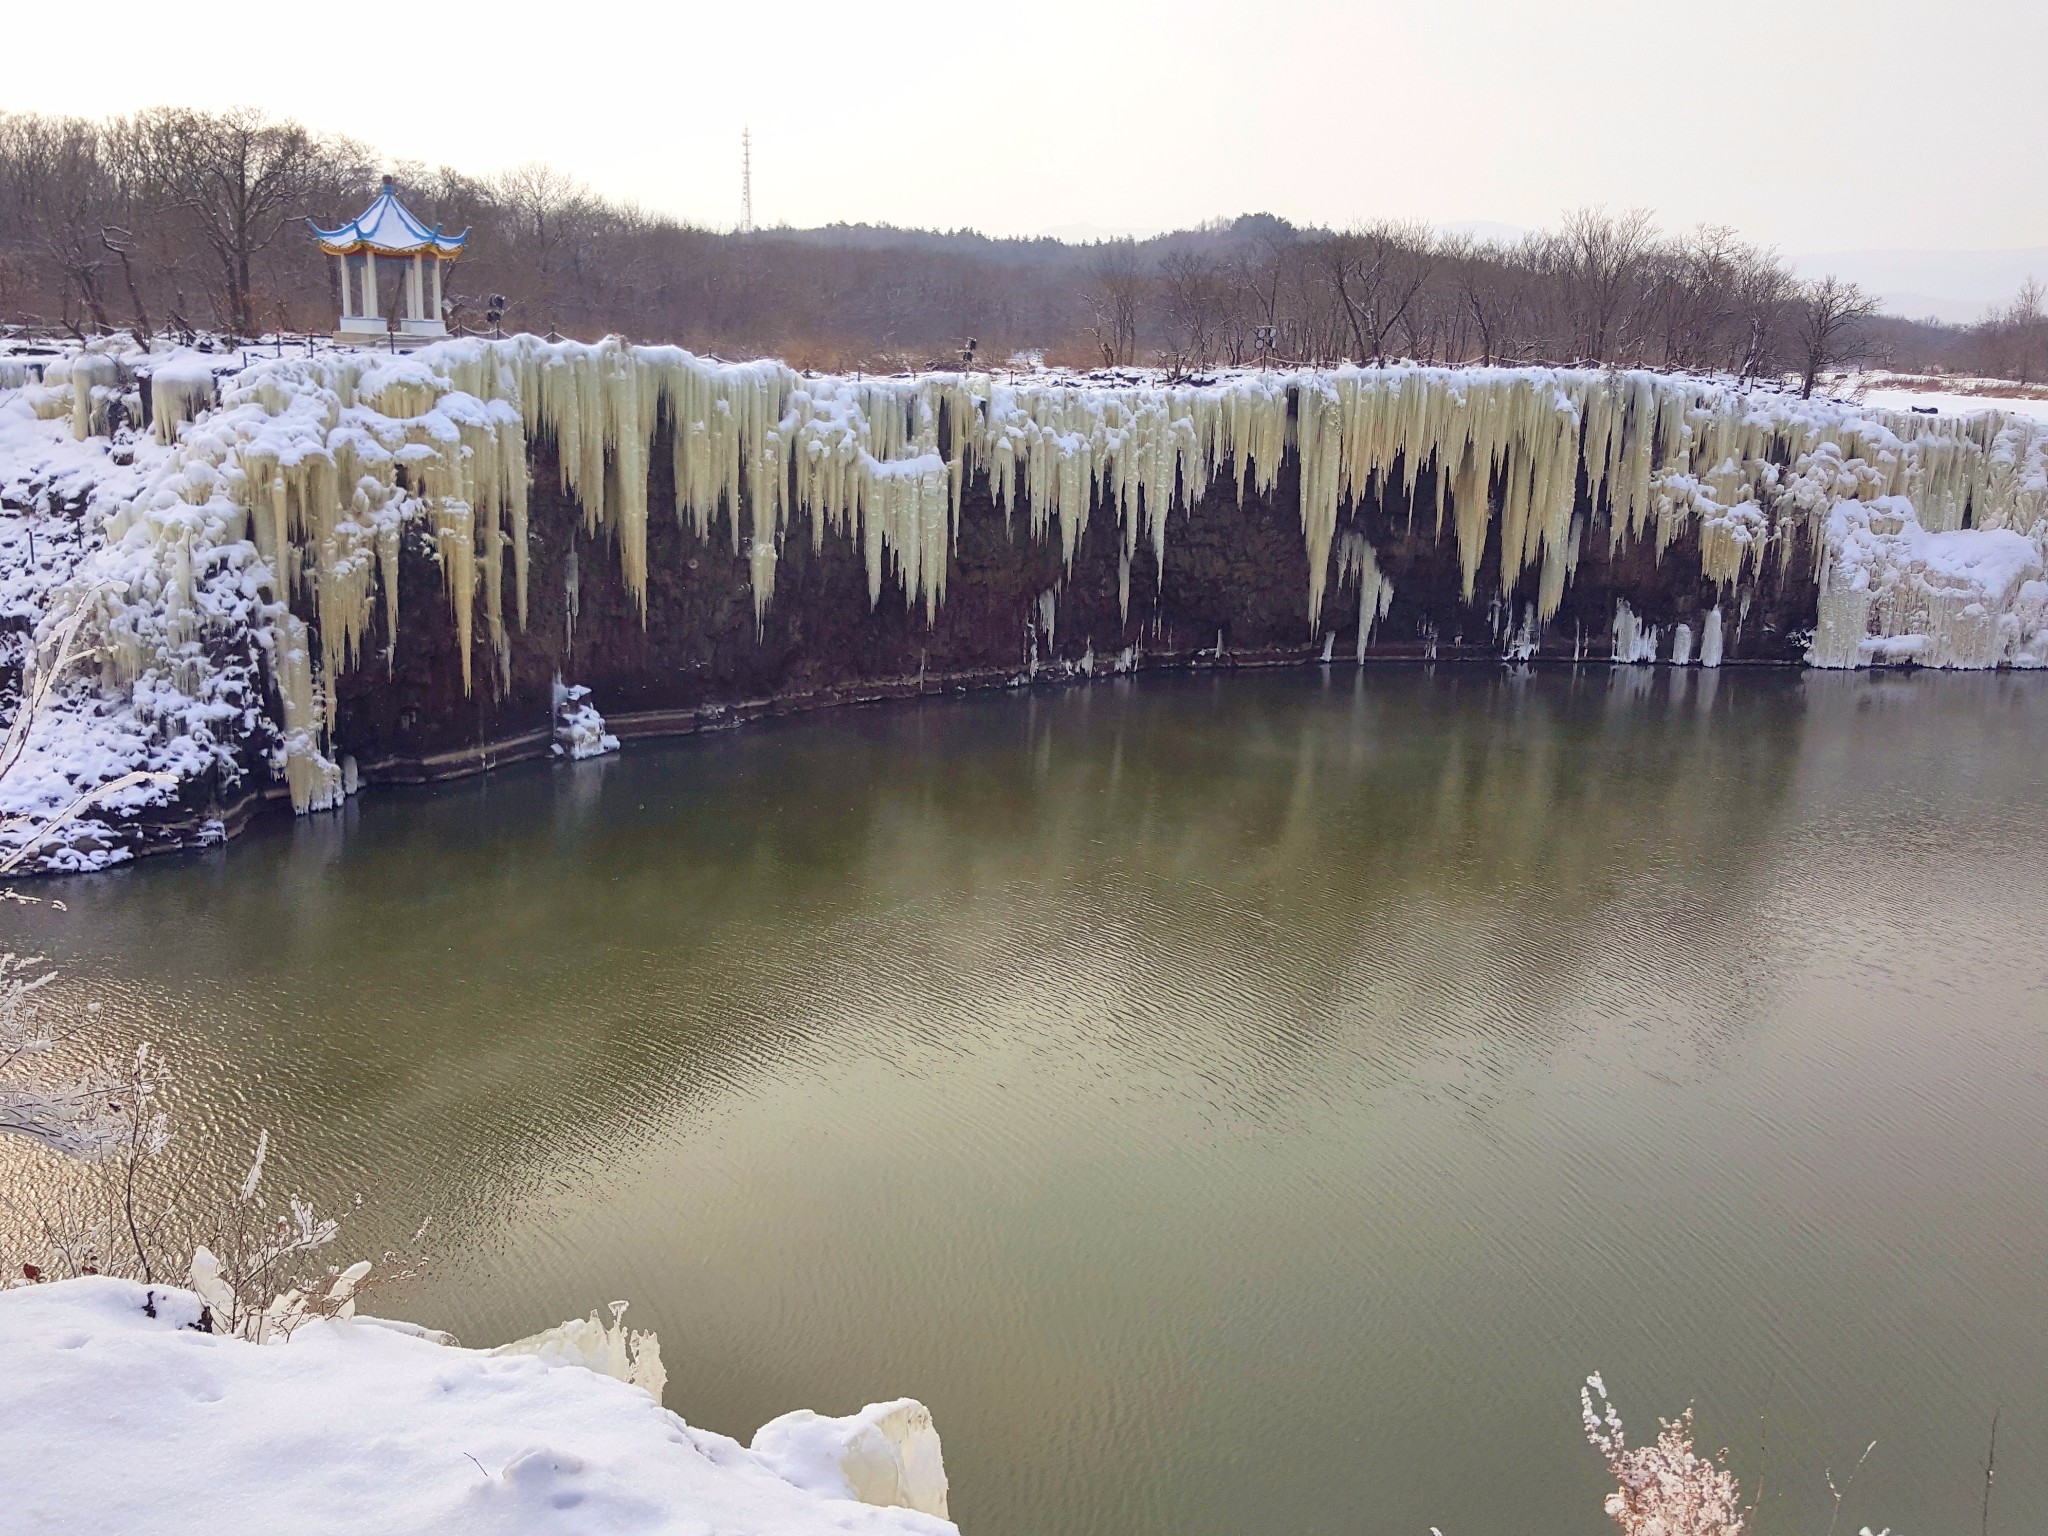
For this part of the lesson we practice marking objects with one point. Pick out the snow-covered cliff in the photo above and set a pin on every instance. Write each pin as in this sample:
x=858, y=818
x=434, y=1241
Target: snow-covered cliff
x=587, y=515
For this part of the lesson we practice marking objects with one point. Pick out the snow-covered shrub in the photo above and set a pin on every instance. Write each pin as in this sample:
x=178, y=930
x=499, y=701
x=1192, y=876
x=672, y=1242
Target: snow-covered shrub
x=1664, y=1489
x=88, y=1188
x=60, y=801
x=77, y=1113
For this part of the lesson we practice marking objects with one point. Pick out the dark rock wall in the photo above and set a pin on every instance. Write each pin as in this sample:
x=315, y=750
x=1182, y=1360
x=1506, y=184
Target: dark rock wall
x=1238, y=572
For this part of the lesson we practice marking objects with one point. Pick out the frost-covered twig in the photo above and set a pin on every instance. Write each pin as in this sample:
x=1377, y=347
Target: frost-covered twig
x=1842, y=1492
x=112, y=1190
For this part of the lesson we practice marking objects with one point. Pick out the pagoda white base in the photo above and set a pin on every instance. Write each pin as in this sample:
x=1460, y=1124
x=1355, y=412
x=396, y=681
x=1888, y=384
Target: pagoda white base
x=366, y=331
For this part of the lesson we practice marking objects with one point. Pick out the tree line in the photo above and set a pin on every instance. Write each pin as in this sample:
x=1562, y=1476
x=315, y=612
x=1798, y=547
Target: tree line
x=171, y=220
x=1603, y=289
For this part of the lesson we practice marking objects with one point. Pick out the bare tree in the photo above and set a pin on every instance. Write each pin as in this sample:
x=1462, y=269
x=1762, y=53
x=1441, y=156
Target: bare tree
x=66, y=195
x=1116, y=284
x=1828, y=318
x=1603, y=261
x=1763, y=285
x=1375, y=273
x=1196, y=297
x=2012, y=343
x=105, y=223
x=241, y=178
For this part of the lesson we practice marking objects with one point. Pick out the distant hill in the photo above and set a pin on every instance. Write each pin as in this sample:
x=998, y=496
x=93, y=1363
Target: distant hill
x=1952, y=286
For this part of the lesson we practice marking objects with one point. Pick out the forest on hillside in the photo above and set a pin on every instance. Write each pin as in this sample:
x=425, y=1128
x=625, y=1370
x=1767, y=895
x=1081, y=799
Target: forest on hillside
x=193, y=222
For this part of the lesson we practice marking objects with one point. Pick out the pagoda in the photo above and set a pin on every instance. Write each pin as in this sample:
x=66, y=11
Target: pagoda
x=386, y=229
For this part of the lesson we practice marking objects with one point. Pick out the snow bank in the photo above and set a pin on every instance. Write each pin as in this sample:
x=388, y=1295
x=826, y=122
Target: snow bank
x=1953, y=403
x=115, y=1420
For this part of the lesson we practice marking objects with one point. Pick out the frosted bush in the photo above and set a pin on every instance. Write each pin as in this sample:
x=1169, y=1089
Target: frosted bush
x=1663, y=1489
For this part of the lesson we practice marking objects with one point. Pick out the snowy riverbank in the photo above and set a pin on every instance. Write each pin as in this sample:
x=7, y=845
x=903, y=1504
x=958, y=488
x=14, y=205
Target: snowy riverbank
x=117, y=1415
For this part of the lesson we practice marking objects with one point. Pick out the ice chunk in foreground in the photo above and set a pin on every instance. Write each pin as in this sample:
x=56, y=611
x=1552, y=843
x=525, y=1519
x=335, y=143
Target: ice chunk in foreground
x=886, y=1454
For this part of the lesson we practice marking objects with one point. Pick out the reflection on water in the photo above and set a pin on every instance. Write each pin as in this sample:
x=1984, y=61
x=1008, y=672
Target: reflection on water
x=1231, y=1104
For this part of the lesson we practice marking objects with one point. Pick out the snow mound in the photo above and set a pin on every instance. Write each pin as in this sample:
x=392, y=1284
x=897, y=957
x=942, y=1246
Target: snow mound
x=114, y=1419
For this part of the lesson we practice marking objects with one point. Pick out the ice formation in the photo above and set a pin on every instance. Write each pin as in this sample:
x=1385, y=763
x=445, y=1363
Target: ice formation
x=579, y=728
x=1710, y=639
x=613, y=1350
x=1892, y=591
x=1634, y=641
x=1357, y=562
x=887, y=1454
x=273, y=503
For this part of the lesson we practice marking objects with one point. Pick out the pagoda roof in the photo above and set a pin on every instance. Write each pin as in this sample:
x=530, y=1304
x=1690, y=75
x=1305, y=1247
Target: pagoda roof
x=388, y=228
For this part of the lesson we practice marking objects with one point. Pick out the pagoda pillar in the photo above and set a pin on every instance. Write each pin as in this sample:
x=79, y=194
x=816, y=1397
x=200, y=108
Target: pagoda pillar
x=369, y=285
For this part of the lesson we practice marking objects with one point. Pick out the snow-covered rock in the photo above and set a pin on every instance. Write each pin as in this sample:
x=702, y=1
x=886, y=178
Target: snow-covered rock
x=579, y=728
x=114, y=1419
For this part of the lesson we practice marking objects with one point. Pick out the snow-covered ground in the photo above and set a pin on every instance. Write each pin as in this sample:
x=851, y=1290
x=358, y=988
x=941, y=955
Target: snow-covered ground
x=1925, y=394
x=117, y=1416
x=1949, y=403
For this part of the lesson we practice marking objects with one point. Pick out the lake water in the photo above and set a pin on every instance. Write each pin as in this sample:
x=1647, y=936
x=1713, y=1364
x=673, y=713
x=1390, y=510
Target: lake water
x=1233, y=1104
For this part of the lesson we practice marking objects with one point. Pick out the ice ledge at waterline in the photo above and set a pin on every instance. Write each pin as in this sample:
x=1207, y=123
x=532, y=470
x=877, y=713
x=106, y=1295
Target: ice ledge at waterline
x=694, y=541
x=122, y=1418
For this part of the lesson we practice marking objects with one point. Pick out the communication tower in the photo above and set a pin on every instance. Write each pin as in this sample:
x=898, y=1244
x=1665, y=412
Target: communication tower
x=746, y=181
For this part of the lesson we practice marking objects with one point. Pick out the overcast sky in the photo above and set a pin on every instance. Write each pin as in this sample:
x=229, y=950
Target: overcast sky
x=1811, y=124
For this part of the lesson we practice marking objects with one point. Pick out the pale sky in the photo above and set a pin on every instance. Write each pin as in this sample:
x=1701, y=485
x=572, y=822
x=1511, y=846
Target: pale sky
x=1810, y=124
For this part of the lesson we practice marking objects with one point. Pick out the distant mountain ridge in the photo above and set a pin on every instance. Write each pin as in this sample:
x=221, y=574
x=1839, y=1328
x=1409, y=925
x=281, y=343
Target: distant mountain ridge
x=1953, y=286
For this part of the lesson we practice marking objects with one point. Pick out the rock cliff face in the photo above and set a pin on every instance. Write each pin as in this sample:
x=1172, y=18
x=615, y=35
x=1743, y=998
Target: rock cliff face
x=302, y=575
x=1232, y=594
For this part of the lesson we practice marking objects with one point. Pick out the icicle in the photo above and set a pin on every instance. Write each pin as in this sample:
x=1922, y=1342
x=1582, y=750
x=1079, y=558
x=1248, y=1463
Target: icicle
x=571, y=600
x=314, y=780
x=1710, y=640
x=1634, y=641
x=1356, y=561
